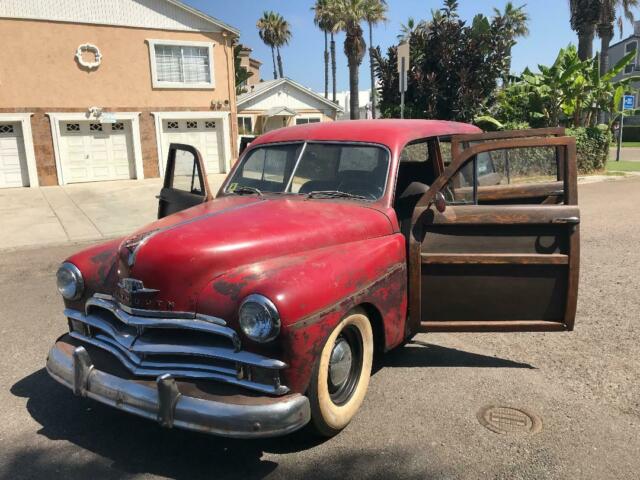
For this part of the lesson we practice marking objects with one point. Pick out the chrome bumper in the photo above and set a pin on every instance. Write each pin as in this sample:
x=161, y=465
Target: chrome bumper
x=73, y=368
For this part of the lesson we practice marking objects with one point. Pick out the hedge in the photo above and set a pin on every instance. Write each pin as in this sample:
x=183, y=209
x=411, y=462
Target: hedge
x=592, y=144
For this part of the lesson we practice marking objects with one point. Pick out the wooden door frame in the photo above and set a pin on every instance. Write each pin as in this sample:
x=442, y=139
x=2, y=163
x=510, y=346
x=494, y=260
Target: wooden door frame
x=503, y=140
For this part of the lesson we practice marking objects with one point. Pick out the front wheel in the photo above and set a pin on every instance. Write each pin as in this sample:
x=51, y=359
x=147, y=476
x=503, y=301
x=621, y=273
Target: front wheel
x=341, y=375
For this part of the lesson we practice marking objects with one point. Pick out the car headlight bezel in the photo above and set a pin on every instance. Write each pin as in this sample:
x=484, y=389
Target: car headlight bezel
x=253, y=313
x=71, y=275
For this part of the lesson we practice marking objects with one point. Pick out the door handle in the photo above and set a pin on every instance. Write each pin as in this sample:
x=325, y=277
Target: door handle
x=567, y=220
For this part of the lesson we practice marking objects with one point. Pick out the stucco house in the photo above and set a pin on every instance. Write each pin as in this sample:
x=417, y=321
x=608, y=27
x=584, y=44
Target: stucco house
x=281, y=103
x=92, y=90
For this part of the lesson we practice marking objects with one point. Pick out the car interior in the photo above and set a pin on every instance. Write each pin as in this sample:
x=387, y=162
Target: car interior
x=416, y=172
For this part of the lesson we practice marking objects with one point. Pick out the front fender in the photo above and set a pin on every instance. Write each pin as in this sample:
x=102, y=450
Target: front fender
x=312, y=291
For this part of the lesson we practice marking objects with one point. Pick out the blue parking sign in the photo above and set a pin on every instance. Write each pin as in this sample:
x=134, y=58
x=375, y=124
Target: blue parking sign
x=629, y=102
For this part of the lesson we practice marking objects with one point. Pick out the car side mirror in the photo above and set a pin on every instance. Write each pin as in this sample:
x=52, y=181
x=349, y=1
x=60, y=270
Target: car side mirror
x=440, y=202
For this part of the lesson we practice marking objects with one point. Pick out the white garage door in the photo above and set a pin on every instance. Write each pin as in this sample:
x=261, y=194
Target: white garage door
x=93, y=152
x=13, y=164
x=205, y=135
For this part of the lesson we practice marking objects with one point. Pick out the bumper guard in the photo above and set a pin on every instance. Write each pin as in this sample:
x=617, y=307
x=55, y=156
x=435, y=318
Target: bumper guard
x=73, y=368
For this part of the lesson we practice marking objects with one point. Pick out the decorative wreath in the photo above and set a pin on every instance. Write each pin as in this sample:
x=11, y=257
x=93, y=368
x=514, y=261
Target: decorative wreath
x=87, y=47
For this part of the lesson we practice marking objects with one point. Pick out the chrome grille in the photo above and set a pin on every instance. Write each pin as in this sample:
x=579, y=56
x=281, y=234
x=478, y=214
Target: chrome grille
x=188, y=346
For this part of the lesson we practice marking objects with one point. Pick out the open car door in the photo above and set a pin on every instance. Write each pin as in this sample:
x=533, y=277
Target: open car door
x=495, y=242
x=185, y=181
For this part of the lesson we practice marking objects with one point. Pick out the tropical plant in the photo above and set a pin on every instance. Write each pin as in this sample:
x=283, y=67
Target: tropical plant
x=274, y=32
x=375, y=12
x=242, y=74
x=407, y=29
x=584, y=16
x=515, y=20
x=266, y=32
x=569, y=92
x=454, y=67
x=348, y=15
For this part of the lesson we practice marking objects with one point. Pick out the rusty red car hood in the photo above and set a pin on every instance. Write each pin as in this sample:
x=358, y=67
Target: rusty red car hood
x=179, y=254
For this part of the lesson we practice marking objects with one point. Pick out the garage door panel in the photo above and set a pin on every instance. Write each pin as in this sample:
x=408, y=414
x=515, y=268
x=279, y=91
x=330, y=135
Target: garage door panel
x=202, y=134
x=93, y=152
x=13, y=162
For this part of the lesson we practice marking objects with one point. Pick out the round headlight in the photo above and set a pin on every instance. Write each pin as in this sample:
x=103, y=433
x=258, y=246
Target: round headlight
x=69, y=280
x=259, y=318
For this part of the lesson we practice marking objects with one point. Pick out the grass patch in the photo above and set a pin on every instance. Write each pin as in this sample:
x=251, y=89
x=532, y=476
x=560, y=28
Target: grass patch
x=628, y=144
x=613, y=166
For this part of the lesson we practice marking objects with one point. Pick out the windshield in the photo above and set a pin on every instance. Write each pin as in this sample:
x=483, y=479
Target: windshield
x=349, y=170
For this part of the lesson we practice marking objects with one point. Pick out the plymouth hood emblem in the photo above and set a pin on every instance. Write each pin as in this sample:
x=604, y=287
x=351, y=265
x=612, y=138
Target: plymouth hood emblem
x=133, y=293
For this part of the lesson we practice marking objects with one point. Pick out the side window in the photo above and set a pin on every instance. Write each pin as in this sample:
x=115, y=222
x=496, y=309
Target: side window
x=517, y=167
x=186, y=175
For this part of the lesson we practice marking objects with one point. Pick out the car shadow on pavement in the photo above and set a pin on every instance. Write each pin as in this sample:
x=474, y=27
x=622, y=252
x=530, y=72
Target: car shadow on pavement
x=422, y=354
x=121, y=444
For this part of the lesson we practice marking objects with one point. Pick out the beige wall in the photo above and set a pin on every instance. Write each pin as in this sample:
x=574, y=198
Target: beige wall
x=39, y=74
x=38, y=67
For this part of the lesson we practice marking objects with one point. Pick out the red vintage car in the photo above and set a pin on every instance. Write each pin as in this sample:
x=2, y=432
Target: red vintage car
x=256, y=312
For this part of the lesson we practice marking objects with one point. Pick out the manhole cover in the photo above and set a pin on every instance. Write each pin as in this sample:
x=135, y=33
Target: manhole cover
x=509, y=420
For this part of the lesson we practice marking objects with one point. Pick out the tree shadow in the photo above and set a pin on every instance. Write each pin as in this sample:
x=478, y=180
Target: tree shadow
x=125, y=445
x=422, y=354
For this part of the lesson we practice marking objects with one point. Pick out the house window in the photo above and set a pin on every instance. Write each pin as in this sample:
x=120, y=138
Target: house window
x=304, y=121
x=192, y=125
x=210, y=125
x=72, y=127
x=117, y=127
x=7, y=128
x=628, y=48
x=245, y=125
x=181, y=64
x=172, y=125
x=95, y=127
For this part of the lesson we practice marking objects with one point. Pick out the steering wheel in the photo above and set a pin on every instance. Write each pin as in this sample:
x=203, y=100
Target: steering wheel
x=364, y=189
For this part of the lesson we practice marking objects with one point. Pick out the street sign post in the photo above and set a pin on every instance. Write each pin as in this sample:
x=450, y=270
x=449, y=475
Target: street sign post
x=403, y=68
x=628, y=103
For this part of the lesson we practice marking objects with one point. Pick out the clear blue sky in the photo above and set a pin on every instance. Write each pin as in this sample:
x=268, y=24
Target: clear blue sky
x=303, y=58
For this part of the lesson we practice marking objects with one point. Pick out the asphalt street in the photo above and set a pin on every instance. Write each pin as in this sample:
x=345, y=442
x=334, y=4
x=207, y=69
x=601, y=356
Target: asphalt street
x=419, y=417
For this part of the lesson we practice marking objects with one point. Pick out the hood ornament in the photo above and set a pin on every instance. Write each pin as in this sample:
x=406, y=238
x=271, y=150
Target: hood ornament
x=134, y=243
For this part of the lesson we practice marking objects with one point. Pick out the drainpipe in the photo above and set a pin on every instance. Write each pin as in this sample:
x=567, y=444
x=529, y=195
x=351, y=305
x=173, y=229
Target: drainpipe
x=233, y=104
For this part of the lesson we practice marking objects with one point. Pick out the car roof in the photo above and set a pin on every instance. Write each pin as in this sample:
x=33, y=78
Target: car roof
x=390, y=132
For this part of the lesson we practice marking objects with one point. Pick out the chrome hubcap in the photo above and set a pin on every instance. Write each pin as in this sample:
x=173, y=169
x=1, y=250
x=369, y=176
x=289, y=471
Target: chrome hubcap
x=340, y=362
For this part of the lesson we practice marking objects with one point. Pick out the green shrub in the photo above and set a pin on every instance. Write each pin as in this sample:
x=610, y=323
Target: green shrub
x=592, y=144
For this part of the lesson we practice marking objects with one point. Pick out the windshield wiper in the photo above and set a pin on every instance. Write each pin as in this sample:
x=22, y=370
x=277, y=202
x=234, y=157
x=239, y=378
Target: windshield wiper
x=334, y=194
x=242, y=189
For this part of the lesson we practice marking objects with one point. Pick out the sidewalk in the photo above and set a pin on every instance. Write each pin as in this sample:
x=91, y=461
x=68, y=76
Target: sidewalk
x=79, y=212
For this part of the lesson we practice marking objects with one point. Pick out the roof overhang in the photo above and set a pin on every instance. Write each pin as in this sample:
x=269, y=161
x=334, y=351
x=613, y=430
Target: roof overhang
x=246, y=97
x=280, y=112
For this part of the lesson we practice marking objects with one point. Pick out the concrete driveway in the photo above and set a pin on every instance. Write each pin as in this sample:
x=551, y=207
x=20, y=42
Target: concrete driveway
x=79, y=212
x=419, y=418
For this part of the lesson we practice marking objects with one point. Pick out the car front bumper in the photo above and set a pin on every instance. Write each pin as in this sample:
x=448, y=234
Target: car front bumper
x=250, y=417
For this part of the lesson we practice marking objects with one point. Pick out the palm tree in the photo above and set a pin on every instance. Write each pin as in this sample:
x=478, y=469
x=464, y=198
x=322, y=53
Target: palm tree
x=375, y=12
x=349, y=14
x=265, y=27
x=281, y=36
x=584, y=15
x=605, y=26
x=326, y=13
x=406, y=30
x=515, y=21
x=323, y=22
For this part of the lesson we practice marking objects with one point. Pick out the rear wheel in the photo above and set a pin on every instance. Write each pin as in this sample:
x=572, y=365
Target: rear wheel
x=341, y=374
